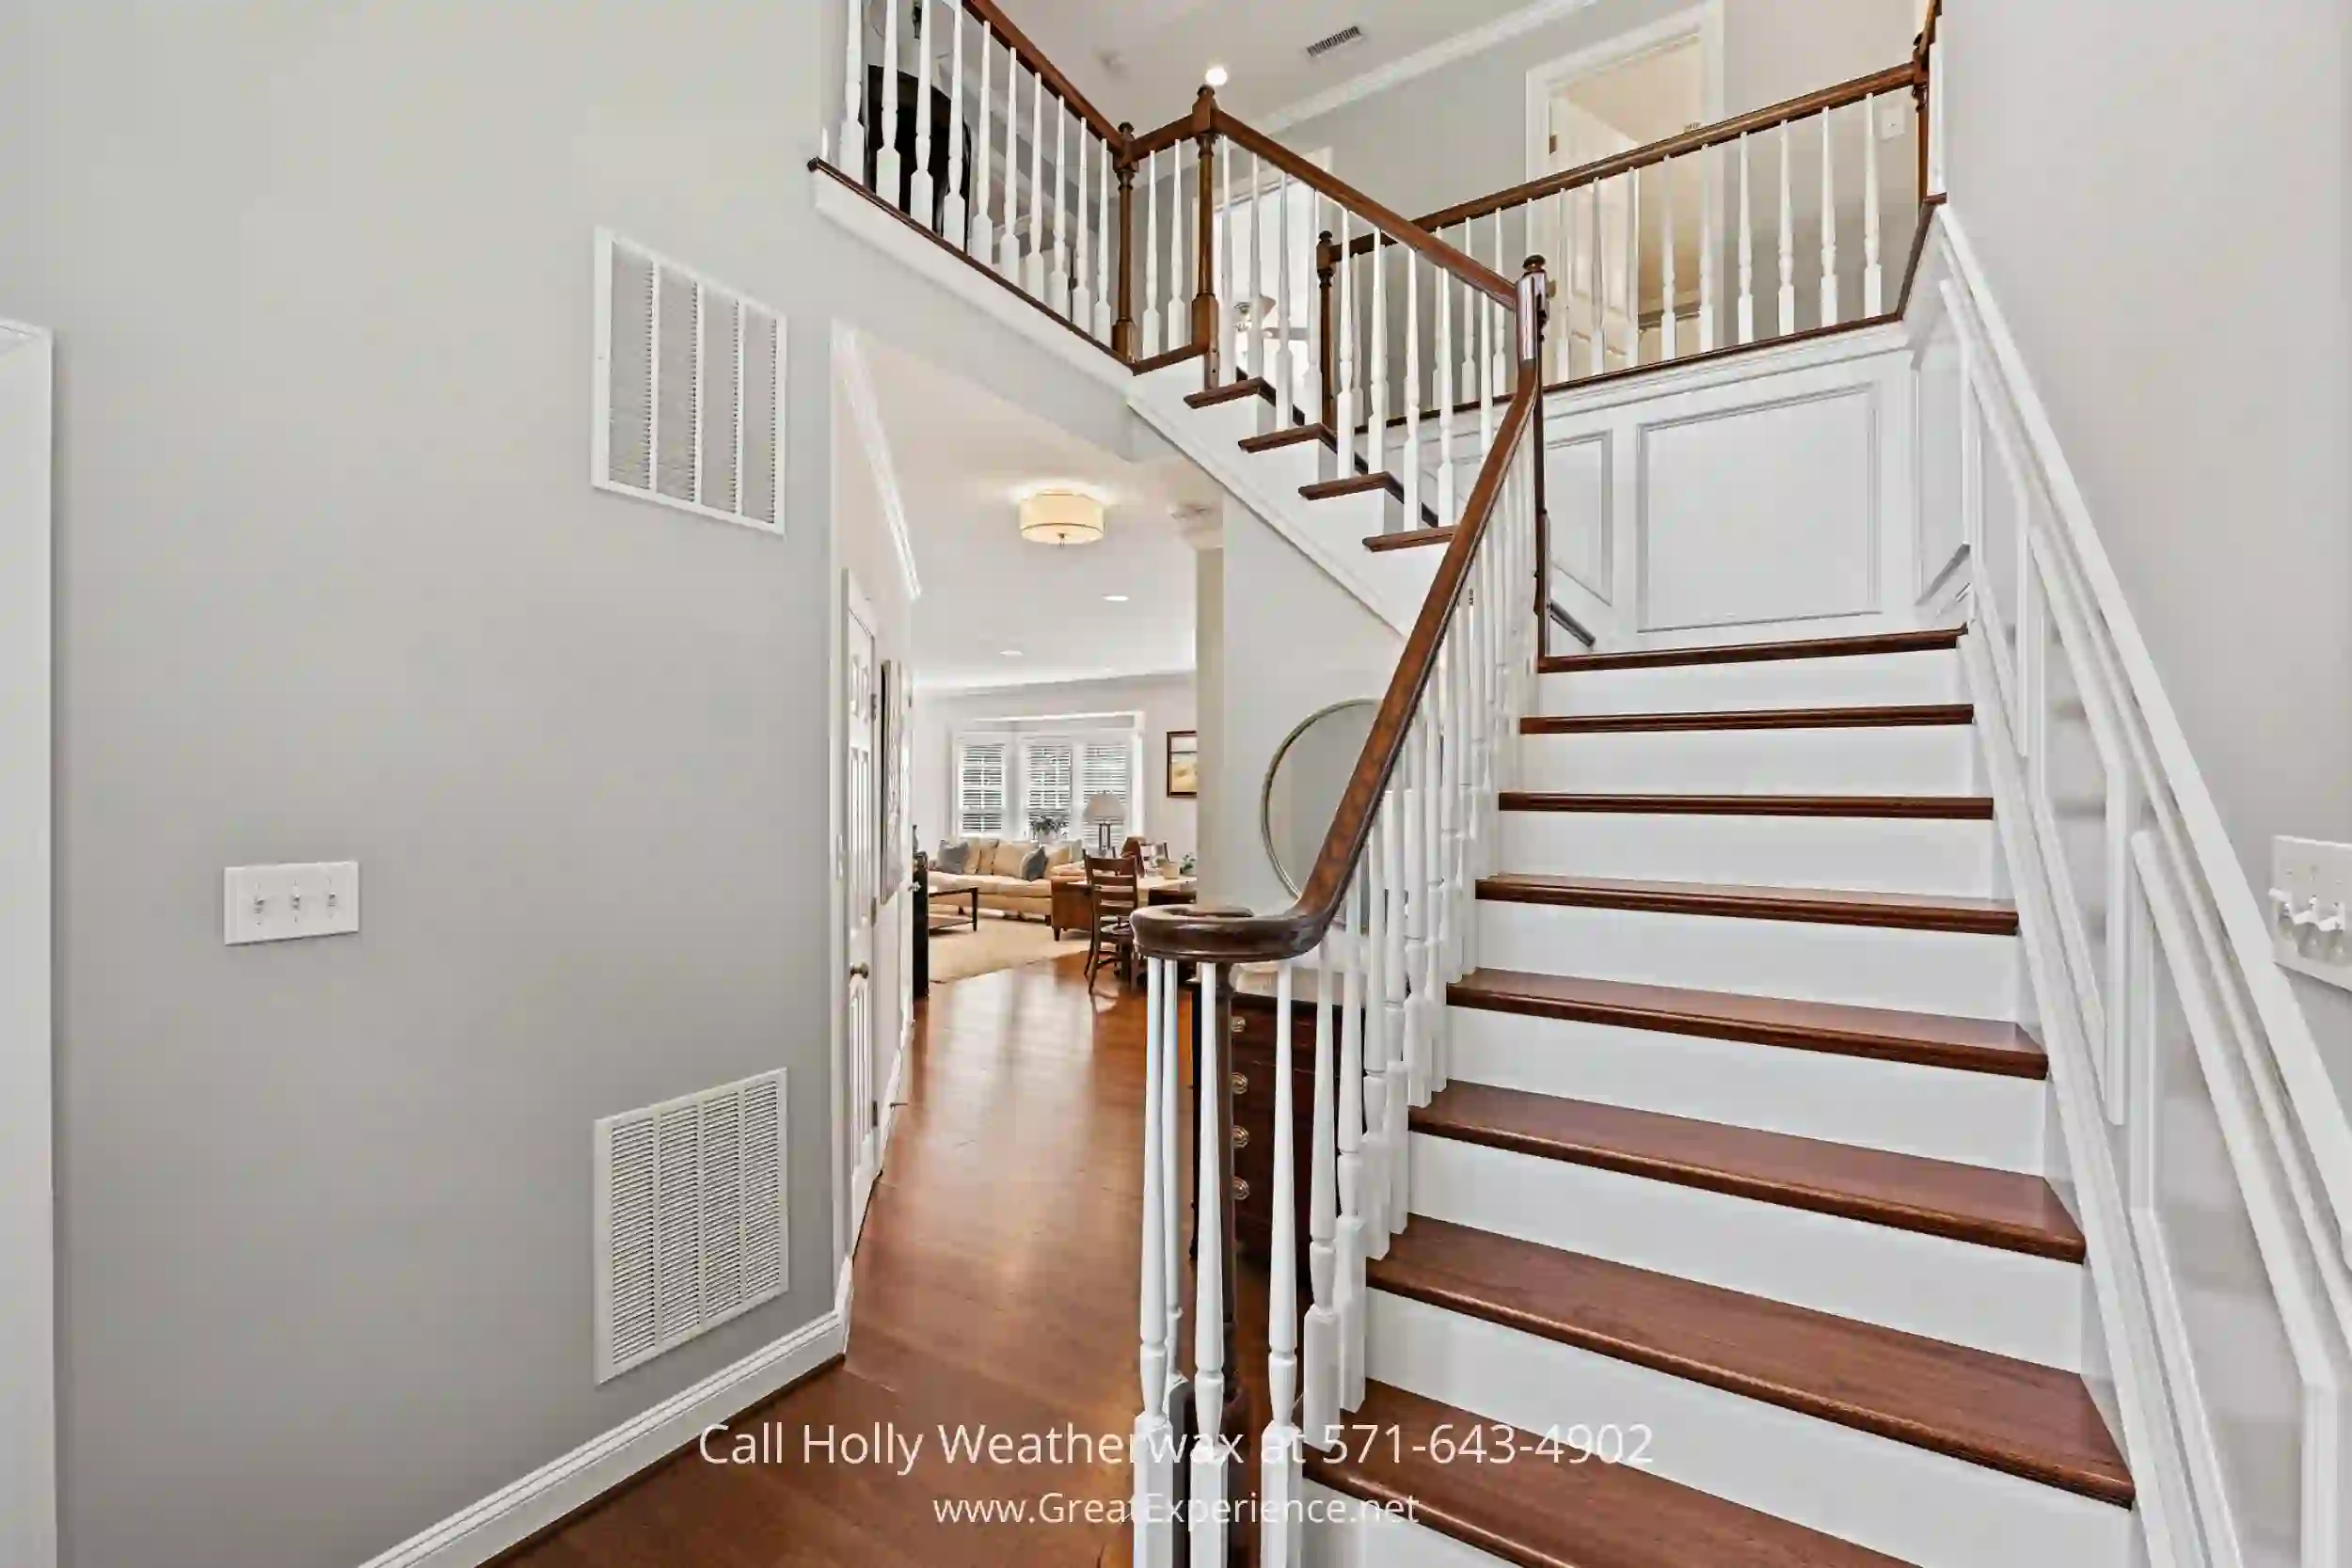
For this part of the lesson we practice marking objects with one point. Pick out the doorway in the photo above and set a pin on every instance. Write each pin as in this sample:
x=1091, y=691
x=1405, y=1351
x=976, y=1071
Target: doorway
x=28, y=1421
x=861, y=714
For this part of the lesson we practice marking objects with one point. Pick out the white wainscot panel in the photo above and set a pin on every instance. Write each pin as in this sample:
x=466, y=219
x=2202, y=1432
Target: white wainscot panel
x=1943, y=528
x=1576, y=500
x=1765, y=513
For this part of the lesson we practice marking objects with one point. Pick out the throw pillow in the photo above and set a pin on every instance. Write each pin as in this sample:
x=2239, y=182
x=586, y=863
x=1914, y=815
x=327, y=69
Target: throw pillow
x=1033, y=868
x=952, y=858
x=1008, y=858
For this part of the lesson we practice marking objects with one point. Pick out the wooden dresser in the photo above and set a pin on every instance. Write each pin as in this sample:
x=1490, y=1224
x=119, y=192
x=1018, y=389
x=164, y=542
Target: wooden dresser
x=1252, y=1047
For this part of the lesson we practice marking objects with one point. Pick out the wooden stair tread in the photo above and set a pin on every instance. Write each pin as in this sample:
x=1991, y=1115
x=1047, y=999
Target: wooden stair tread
x=1958, y=808
x=1248, y=387
x=1353, y=485
x=1884, y=1034
x=1287, y=437
x=1916, y=911
x=2009, y=1210
x=1754, y=652
x=1543, y=1512
x=1411, y=538
x=1868, y=716
x=2027, y=1420
x=1173, y=357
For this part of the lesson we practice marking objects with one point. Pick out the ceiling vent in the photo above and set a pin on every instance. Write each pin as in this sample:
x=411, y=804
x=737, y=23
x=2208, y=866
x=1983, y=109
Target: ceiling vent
x=690, y=1218
x=1320, y=47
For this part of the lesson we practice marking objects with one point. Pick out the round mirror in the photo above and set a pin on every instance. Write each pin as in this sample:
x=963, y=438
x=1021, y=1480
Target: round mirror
x=1304, y=783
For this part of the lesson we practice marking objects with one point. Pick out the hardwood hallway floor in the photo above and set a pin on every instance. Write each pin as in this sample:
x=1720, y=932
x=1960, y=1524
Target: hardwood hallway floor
x=996, y=1287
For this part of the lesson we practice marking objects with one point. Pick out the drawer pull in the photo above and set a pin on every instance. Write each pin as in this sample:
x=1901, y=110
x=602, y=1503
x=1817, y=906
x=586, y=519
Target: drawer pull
x=1241, y=1137
x=1237, y=1026
x=1241, y=1083
x=1241, y=1190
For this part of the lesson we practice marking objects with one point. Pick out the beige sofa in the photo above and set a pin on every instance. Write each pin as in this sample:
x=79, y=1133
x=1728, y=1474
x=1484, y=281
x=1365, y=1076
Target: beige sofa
x=993, y=870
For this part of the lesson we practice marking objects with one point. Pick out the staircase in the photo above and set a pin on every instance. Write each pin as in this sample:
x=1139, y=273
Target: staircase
x=1733, y=1178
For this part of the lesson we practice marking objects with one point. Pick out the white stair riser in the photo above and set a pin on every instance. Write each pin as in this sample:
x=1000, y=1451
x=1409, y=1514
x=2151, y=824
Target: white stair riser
x=1344, y=1532
x=2005, y=1301
x=1927, y=972
x=1912, y=759
x=1977, y=1119
x=1926, y=1508
x=1860, y=680
x=1285, y=468
x=1876, y=854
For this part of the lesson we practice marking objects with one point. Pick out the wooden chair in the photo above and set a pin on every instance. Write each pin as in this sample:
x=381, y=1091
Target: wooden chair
x=1113, y=890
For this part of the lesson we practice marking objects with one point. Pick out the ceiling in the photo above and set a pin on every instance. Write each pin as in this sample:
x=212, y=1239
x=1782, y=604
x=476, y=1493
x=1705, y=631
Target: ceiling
x=962, y=456
x=1142, y=60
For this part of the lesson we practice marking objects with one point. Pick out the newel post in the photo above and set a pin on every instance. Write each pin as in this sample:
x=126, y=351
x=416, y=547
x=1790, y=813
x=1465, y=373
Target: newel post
x=1205, y=262
x=1124, y=329
x=1534, y=310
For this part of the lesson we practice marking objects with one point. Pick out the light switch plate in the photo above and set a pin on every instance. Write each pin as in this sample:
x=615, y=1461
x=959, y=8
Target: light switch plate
x=2310, y=901
x=1895, y=115
x=280, y=903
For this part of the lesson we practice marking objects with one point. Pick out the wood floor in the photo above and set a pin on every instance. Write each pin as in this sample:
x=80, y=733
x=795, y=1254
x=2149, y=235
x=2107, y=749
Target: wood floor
x=995, y=1287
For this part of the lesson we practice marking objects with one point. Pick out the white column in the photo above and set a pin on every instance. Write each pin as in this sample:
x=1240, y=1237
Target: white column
x=853, y=93
x=924, y=189
x=1155, y=1440
x=1280, y=1488
x=1788, y=242
x=1873, y=279
x=1207, y=1532
x=1829, y=221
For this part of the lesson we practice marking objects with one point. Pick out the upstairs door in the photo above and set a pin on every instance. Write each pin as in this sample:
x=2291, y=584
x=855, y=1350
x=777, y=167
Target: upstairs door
x=861, y=713
x=1591, y=232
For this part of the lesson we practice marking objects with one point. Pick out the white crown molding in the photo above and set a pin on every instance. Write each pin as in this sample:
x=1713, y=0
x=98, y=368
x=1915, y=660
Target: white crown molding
x=476, y=1534
x=857, y=387
x=1422, y=61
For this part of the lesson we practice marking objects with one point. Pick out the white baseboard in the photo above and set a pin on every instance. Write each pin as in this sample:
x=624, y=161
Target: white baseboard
x=511, y=1514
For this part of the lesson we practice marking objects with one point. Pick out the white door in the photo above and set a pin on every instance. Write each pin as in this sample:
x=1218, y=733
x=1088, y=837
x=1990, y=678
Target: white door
x=861, y=713
x=28, y=1514
x=1587, y=234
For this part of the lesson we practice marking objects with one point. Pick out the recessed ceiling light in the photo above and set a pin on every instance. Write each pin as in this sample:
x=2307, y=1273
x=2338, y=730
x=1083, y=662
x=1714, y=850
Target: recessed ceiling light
x=1217, y=76
x=1010, y=653
x=1114, y=598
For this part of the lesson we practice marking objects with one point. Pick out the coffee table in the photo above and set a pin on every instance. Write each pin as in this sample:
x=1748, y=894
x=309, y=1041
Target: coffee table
x=971, y=895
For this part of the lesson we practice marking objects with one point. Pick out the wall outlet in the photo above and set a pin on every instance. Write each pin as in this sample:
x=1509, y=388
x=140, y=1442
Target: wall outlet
x=2311, y=908
x=279, y=903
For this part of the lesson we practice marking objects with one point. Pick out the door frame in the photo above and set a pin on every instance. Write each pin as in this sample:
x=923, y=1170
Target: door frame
x=1702, y=22
x=848, y=602
x=28, y=1419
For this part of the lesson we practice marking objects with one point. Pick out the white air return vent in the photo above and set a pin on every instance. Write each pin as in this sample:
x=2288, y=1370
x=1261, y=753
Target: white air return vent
x=689, y=389
x=690, y=1220
x=1322, y=46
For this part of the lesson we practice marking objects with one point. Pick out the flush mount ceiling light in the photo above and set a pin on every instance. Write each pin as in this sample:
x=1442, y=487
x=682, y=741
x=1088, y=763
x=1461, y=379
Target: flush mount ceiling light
x=1060, y=517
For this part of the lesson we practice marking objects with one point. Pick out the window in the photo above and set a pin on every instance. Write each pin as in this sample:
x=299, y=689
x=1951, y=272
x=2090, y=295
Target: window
x=980, y=788
x=1047, y=812
x=1106, y=767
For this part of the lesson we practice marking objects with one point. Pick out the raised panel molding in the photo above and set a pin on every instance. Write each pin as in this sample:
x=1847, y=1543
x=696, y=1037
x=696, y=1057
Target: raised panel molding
x=1579, y=477
x=1765, y=512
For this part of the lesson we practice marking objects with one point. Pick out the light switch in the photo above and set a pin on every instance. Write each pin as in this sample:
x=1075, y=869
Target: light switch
x=1895, y=116
x=279, y=903
x=2311, y=908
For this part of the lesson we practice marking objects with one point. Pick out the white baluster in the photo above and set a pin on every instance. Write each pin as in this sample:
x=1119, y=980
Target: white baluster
x=1396, y=977
x=1788, y=242
x=1600, y=290
x=1562, y=346
x=1410, y=456
x=1374, y=1142
x=887, y=163
x=1873, y=280
x=1103, y=220
x=1829, y=222
x=1152, y=343
x=1280, y=1492
x=1446, y=515
x=1467, y=379
x=1033, y=274
x=1414, y=831
x=981, y=236
x=1228, y=309
x=1207, y=1531
x=1180, y=256
x=1709, y=198
x=1320, y=1407
x=1351, y=1238
x=1430, y=928
x=1441, y=909
x=924, y=188
x=1171, y=1179
x=1284, y=377
x=1009, y=237
x=1155, y=1440
x=956, y=214
x=1058, y=278
x=1081, y=272
x=1746, y=326
x=853, y=94
x=1377, y=424
x=1345, y=404
x=1255, y=356
x=1667, y=334
x=1633, y=267
x=1497, y=356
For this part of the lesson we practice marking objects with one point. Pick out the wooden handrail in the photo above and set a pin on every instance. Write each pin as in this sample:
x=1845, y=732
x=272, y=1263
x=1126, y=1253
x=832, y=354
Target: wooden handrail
x=992, y=16
x=1901, y=76
x=1400, y=230
x=1222, y=937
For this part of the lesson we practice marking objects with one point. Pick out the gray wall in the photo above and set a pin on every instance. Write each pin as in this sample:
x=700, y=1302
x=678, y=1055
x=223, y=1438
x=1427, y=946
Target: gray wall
x=2187, y=319
x=1461, y=131
x=331, y=582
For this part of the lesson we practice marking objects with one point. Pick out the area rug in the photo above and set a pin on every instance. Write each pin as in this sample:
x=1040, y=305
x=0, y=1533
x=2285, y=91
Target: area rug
x=961, y=952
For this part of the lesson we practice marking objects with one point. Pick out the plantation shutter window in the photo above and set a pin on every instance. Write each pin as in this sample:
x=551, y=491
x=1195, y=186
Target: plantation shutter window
x=980, y=788
x=1106, y=767
x=1047, y=768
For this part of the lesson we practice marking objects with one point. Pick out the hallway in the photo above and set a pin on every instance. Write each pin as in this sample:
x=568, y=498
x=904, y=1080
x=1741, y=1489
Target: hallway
x=995, y=1289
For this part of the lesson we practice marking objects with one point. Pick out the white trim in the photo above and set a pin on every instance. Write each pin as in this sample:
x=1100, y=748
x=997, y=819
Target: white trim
x=1460, y=46
x=1702, y=22
x=474, y=1535
x=884, y=232
x=2317, y=1111
x=857, y=389
x=28, y=1412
